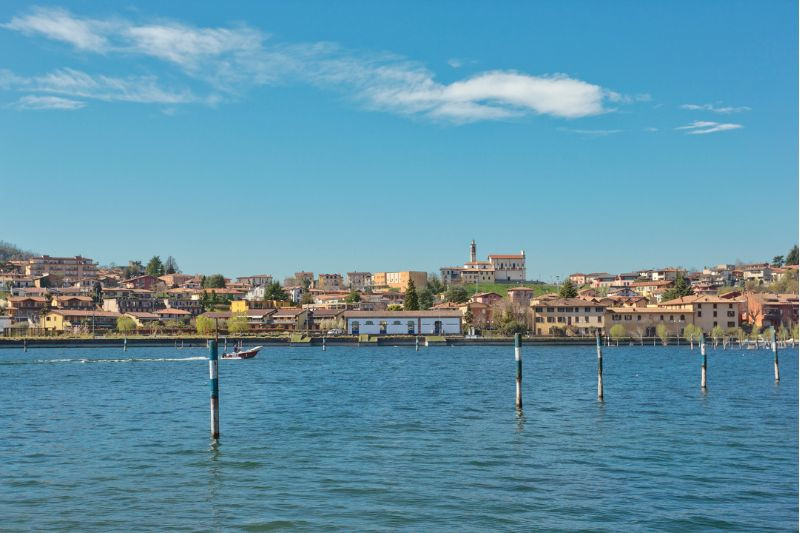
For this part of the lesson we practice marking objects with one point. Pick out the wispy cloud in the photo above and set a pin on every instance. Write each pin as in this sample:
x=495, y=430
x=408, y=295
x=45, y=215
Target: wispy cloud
x=715, y=109
x=47, y=102
x=230, y=60
x=592, y=133
x=700, y=127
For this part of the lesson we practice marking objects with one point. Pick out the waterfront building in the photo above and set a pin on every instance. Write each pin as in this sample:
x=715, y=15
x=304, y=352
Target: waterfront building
x=291, y=318
x=142, y=319
x=26, y=308
x=558, y=316
x=173, y=314
x=76, y=319
x=642, y=322
x=765, y=310
x=430, y=322
x=708, y=312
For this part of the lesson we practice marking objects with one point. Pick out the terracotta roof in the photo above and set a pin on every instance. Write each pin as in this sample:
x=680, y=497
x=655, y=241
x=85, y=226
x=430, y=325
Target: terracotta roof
x=390, y=314
x=142, y=314
x=76, y=312
x=288, y=311
x=23, y=298
x=567, y=302
x=171, y=311
x=507, y=256
x=660, y=283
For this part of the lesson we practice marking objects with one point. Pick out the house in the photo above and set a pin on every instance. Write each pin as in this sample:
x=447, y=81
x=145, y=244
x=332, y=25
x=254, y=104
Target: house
x=258, y=317
x=642, y=322
x=708, y=312
x=70, y=269
x=488, y=298
x=291, y=318
x=257, y=280
x=358, y=281
x=175, y=280
x=603, y=280
x=329, y=282
x=520, y=296
x=174, y=314
x=400, y=280
x=146, y=282
x=765, y=310
x=143, y=320
x=649, y=288
x=72, y=302
x=759, y=272
x=123, y=300
x=557, y=316
x=22, y=308
x=669, y=274
x=316, y=316
x=430, y=322
x=73, y=320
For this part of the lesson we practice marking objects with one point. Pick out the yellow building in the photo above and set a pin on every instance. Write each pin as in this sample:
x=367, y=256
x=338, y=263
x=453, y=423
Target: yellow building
x=399, y=280
x=69, y=319
x=709, y=312
x=642, y=321
x=555, y=316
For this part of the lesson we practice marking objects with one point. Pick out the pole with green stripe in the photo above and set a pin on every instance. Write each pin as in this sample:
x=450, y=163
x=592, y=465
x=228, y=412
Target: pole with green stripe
x=518, y=357
x=213, y=370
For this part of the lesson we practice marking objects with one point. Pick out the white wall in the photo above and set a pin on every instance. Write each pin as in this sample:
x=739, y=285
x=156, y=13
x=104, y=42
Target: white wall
x=450, y=325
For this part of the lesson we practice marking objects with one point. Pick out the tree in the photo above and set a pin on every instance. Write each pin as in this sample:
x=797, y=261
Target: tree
x=777, y=261
x=456, y=294
x=133, y=269
x=238, y=324
x=155, y=267
x=617, y=332
x=680, y=289
x=216, y=281
x=692, y=333
x=411, y=300
x=509, y=325
x=792, y=256
x=307, y=298
x=663, y=333
x=125, y=324
x=468, y=317
x=716, y=334
x=171, y=266
x=568, y=290
x=394, y=307
x=97, y=293
x=205, y=325
x=425, y=298
x=274, y=291
x=434, y=284
x=353, y=297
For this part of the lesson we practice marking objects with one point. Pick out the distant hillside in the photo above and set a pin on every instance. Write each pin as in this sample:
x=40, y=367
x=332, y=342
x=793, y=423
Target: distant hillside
x=11, y=251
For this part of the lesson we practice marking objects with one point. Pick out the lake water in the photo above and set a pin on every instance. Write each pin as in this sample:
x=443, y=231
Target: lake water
x=353, y=439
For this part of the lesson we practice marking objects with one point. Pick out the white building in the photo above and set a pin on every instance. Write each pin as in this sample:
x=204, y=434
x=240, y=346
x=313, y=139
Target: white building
x=433, y=322
x=508, y=267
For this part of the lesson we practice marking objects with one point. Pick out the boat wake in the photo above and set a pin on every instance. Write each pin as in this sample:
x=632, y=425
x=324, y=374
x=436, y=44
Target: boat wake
x=115, y=360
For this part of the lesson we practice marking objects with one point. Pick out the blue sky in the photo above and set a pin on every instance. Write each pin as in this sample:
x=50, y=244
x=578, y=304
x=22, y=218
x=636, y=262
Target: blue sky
x=278, y=136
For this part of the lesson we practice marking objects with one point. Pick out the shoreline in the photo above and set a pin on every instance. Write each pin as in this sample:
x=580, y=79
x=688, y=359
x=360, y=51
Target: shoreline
x=201, y=342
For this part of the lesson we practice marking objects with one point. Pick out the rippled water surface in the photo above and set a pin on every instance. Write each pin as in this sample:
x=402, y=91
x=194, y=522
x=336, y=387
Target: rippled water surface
x=393, y=439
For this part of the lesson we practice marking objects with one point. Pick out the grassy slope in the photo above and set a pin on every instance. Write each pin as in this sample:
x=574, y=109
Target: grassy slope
x=502, y=288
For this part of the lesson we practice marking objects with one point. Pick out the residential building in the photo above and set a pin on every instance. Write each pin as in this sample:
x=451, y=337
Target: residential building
x=258, y=280
x=359, y=281
x=316, y=316
x=291, y=318
x=669, y=274
x=431, y=322
x=579, y=279
x=72, y=269
x=650, y=288
x=642, y=322
x=175, y=280
x=520, y=296
x=399, y=280
x=488, y=298
x=122, y=300
x=560, y=316
x=72, y=302
x=146, y=282
x=765, y=310
x=173, y=314
x=143, y=320
x=759, y=272
x=26, y=308
x=329, y=282
x=708, y=312
x=74, y=320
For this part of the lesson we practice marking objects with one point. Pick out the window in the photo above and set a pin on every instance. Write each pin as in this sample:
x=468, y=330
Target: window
x=598, y=309
x=560, y=309
x=638, y=317
x=551, y=309
x=628, y=317
x=715, y=323
x=369, y=323
x=616, y=317
x=731, y=313
x=730, y=306
x=715, y=306
x=587, y=309
x=539, y=319
x=731, y=324
x=671, y=318
x=396, y=323
x=550, y=319
x=699, y=313
x=715, y=313
x=561, y=319
x=539, y=309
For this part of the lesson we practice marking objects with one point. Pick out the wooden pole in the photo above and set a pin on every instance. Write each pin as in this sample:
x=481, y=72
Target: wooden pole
x=705, y=362
x=775, y=351
x=125, y=344
x=518, y=357
x=24, y=345
x=323, y=344
x=213, y=370
x=417, y=343
x=599, y=367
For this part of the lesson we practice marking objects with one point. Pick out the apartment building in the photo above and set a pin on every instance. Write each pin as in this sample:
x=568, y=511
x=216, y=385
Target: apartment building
x=399, y=280
x=554, y=316
x=643, y=321
x=359, y=281
x=329, y=282
x=73, y=269
x=708, y=312
x=257, y=280
x=765, y=310
x=74, y=319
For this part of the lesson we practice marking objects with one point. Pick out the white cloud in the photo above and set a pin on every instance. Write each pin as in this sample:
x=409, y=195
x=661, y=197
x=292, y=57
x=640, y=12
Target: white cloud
x=47, y=102
x=230, y=60
x=700, y=127
x=592, y=133
x=712, y=108
x=455, y=63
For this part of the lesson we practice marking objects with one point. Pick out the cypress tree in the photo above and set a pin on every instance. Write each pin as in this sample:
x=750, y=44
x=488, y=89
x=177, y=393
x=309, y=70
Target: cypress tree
x=411, y=300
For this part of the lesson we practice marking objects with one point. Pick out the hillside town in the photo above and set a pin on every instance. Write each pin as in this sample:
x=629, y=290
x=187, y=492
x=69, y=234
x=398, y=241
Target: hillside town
x=44, y=295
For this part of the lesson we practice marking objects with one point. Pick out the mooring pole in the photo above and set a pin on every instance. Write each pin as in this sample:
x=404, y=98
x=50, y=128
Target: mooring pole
x=518, y=357
x=24, y=345
x=323, y=343
x=213, y=370
x=775, y=351
x=705, y=362
x=125, y=344
x=599, y=367
x=417, y=343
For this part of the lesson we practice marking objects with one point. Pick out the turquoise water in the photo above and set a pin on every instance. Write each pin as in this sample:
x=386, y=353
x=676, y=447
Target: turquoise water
x=392, y=439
